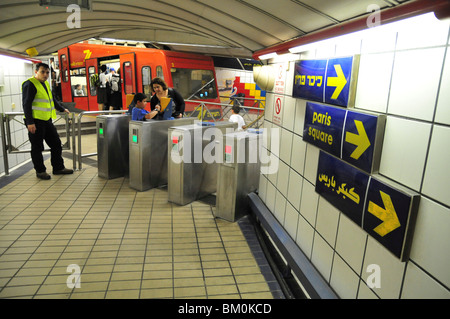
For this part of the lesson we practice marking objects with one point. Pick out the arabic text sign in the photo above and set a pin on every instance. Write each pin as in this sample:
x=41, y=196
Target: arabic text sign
x=349, y=135
x=327, y=80
x=383, y=211
x=342, y=185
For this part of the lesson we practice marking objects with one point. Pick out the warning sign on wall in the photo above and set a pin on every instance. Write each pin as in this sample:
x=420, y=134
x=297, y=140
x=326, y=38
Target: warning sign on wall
x=278, y=110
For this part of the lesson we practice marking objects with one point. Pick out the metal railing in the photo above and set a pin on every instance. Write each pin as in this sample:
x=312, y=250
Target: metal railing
x=7, y=145
x=257, y=106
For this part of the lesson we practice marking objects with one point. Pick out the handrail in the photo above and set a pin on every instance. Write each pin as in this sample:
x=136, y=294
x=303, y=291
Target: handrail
x=7, y=146
x=203, y=104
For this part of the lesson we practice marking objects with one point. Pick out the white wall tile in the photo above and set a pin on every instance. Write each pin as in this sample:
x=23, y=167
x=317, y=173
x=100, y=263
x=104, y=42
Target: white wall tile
x=380, y=39
x=325, y=49
x=404, y=151
x=309, y=202
x=272, y=175
x=262, y=188
x=343, y=279
x=365, y=292
x=2, y=165
x=270, y=196
x=16, y=87
x=298, y=154
x=374, y=80
x=418, y=285
x=414, y=88
x=290, y=76
x=391, y=269
x=283, y=178
x=267, y=136
x=291, y=220
x=348, y=45
x=322, y=256
x=351, y=242
x=6, y=102
x=289, y=113
x=286, y=145
x=295, y=189
x=17, y=100
x=429, y=248
x=280, y=208
x=299, y=122
x=305, y=236
x=421, y=31
x=311, y=163
x=437, y=172
x=327, y=221
x=443, y=109
x=268, y=110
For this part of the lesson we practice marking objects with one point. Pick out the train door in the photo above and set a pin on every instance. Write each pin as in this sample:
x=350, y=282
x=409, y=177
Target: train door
x=91, y=69
x=64, y=75
x=128, y=77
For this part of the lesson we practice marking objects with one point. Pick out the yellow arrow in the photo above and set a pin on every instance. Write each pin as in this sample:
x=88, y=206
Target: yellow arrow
x=339, y=82
x=386, y=214
x=361, y=140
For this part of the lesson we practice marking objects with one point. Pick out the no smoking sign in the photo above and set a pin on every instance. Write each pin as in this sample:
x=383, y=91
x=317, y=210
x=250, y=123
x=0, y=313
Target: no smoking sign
x=278, y=105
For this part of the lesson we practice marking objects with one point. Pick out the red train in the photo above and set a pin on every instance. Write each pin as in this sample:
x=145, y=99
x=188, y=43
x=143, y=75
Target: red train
x=192, y=75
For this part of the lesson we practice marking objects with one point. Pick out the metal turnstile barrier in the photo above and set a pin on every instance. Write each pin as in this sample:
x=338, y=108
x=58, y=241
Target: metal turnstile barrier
x=238, y=174
x=112, y=146
x=148, y=152
x=193, y=160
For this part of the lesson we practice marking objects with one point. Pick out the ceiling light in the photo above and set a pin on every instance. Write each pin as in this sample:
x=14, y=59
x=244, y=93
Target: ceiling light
x=268, y=56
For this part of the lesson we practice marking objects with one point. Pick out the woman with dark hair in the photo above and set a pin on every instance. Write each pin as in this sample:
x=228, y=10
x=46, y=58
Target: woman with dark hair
x=161, y=90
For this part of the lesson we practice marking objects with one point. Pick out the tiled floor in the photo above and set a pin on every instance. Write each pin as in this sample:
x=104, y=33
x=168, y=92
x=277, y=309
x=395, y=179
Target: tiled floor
x=127, y=244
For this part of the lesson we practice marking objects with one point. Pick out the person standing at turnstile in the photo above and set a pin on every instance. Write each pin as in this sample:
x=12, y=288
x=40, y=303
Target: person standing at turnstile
x=159, y=86
x=139, y=113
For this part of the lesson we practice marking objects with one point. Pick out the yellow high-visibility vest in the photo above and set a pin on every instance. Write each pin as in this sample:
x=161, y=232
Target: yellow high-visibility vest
x=42, y=106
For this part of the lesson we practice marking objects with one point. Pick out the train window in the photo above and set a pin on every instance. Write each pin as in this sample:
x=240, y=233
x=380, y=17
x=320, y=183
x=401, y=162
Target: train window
x=92, y=89
x=146, y=80
x=159, y=72
x=78, y=81
x=128, y=77
x=194, y=84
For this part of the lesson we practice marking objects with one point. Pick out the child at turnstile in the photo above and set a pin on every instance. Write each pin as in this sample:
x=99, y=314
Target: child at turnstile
x=235, y=117
x=139, y=113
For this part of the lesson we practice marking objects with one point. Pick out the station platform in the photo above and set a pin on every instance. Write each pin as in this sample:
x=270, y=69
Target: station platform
x=127, y=244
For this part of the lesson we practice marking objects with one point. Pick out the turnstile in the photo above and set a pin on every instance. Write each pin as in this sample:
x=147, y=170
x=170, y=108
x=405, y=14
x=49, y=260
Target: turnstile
x=238, y=174
x=112, y=145
x=193, y=161
x=148, y=152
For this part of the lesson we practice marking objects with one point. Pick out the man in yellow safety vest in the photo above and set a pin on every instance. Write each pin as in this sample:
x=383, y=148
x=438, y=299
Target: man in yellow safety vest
x=39, y=109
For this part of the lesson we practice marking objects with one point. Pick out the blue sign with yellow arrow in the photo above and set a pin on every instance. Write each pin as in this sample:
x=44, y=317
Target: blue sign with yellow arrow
x=326, y=80
x=352, y=136
x=360, y=138
x=384, y=210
